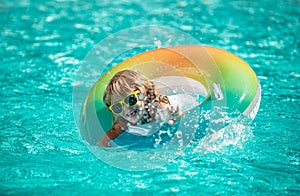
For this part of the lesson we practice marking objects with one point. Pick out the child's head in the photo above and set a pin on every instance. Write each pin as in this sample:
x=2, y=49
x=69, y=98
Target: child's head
x=124, y=84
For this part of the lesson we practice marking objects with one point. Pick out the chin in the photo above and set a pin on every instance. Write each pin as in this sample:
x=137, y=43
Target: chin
x=134, y=119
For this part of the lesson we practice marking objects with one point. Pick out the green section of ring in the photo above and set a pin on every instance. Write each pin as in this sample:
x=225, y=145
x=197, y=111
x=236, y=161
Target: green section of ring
x=240, y=81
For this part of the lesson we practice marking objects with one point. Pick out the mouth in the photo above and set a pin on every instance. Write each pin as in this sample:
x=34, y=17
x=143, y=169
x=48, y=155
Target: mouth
x=133, y=113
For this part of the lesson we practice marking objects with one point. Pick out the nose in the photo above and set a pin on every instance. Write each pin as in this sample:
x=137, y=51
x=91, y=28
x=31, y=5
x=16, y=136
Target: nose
x=126, y=109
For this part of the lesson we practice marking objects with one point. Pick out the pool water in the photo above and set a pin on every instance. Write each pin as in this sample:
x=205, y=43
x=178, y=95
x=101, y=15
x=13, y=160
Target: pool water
x=42, y=46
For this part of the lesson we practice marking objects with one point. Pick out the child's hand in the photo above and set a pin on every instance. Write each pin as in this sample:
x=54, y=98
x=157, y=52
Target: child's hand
x=174, y=115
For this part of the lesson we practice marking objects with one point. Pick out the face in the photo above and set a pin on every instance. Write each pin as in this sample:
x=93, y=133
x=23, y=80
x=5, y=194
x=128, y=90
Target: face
x=131, y=107
x=134, y=113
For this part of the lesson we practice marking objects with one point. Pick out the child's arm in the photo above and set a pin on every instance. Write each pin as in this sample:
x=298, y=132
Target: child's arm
x=114, y=132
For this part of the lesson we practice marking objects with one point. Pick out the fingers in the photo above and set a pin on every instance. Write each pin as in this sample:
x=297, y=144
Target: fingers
x=172, y=111
x=171, y=108
x=174, y=115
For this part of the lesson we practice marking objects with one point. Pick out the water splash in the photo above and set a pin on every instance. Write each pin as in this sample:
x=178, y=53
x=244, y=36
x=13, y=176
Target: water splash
x=235, y=132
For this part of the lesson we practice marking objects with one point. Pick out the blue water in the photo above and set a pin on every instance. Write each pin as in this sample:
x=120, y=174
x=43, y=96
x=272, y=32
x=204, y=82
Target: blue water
x=42, y=44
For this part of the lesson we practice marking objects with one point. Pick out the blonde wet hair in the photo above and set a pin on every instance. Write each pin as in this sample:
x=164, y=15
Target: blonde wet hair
x=128, y=81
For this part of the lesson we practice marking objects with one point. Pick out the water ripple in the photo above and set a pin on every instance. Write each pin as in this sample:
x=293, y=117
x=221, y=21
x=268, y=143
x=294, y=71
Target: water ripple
x=42, y=44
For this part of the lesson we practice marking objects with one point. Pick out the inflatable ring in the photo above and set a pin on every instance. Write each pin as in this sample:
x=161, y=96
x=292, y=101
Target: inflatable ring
x=227, y=79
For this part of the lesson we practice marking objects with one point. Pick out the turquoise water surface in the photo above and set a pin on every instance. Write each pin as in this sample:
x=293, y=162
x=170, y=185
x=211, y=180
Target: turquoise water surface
x=42, y=45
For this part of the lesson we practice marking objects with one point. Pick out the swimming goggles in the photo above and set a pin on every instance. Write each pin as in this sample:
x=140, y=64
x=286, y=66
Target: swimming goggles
x=130, y=100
